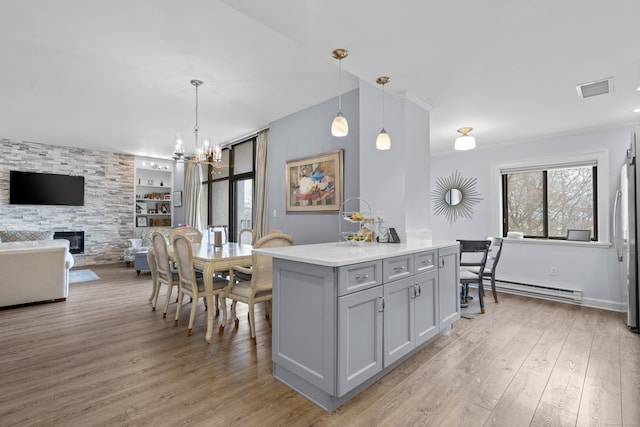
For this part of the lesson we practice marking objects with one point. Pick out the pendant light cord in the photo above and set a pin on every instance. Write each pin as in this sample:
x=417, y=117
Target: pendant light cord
x=195, y=130
x=383, y=106
x=340, y=85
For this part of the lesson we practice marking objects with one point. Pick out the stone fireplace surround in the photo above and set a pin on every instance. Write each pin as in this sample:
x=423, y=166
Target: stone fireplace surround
x=107, y=214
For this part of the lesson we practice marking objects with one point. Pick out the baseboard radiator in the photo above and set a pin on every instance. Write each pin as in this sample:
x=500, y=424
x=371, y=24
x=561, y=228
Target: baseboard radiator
x=572, y=296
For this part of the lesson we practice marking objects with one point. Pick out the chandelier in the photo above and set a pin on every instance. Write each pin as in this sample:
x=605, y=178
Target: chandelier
x=205, y=153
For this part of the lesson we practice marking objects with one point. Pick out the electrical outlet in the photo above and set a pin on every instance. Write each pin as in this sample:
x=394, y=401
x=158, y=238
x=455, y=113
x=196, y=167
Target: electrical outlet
x=554, y=271
x=379, y=215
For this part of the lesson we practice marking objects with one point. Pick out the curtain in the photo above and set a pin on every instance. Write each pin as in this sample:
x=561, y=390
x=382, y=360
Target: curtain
x=193, y=190
x=261, y=208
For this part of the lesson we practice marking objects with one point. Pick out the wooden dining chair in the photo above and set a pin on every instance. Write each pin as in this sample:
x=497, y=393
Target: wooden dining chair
x=193, y=234
x=192, y=284
x=495, y=250
x=258, y=288
x=164, y=274
x=473, y=253
x=246, y=236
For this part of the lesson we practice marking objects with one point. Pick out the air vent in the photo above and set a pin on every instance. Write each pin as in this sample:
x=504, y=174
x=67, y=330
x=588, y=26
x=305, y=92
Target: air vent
x=600, y=87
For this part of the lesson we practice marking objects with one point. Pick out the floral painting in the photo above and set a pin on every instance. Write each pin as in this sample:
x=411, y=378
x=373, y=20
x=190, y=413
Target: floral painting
x=315, y=183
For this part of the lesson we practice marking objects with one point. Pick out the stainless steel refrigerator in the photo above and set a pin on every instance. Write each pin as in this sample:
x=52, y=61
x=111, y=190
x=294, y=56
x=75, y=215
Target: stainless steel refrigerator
x=626, y=230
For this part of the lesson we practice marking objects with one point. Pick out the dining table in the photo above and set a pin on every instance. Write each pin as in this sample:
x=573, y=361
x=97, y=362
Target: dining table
x=211, y=259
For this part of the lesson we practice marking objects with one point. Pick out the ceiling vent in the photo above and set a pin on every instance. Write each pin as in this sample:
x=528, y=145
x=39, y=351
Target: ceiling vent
x=600, y=87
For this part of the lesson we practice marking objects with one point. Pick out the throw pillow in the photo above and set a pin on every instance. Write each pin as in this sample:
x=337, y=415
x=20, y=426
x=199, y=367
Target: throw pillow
x=23, y=235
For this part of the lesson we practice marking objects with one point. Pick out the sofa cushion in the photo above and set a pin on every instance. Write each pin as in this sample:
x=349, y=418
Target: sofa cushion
x=25, y=235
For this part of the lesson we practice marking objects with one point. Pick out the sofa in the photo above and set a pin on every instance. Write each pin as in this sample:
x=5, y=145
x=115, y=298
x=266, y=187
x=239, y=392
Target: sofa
x=141, y=245
x=34, y=271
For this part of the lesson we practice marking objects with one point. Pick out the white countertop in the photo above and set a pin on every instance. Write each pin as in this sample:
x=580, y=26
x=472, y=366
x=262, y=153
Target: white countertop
x=344, y=253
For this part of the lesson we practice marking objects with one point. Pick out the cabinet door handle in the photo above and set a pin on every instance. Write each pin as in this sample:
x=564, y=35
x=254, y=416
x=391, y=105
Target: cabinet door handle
x=415, y=292
x=381, y=305
x=366, y=276
x=419, y=290
x=441, y=261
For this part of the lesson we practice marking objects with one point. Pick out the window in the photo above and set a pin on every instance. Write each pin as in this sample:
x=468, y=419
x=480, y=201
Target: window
x=228, y=191
x=545, y=202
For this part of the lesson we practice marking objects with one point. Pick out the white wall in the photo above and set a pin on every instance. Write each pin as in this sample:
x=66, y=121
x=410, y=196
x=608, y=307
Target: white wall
x=593, y=269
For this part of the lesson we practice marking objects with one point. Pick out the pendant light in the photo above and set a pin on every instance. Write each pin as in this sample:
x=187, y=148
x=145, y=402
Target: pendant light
x=205, y=153
x=339, y=126
x=383, y=141
x=465, y=142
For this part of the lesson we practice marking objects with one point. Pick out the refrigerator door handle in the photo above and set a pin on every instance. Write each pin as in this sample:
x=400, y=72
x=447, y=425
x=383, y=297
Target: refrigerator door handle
x=616, y=225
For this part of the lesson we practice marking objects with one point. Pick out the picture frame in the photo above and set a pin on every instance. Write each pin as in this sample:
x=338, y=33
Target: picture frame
x=163, y=208
x=141, y=221
x=177, y=198
x=141, y=208
x=315, y=183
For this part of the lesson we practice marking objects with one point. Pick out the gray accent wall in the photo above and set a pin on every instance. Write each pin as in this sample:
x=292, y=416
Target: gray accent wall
x=107, y=215
x=302, y=134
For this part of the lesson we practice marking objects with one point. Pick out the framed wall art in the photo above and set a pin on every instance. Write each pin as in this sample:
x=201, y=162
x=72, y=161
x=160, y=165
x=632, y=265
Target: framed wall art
x=314, y=183
x=177, y=198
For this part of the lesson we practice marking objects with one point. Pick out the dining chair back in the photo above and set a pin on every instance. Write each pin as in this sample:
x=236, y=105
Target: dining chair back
x=259, y=287
x=193, y=234
x=495, y=250
x=193, y=284
x=473, y=253
x=246, y=236
x=164, y=274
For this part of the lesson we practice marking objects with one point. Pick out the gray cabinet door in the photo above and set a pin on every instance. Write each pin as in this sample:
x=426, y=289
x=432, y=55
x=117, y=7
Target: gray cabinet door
x=399, y=334
x=426, y=307
x=448, y=286
x=304, y=322
x=359, y=338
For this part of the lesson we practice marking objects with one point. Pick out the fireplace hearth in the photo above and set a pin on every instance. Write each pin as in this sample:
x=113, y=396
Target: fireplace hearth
x=75, y=238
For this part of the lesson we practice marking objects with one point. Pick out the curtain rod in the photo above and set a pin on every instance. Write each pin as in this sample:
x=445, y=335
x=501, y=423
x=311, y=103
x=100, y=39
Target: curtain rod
x=243, y=138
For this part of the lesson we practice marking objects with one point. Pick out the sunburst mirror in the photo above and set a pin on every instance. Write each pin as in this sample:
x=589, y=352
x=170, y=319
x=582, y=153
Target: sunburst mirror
x=454, y=196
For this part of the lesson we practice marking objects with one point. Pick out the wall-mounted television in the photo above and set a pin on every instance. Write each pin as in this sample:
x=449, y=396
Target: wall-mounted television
x=33, y=188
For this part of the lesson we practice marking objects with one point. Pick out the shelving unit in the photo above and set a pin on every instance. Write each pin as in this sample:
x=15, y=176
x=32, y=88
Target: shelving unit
x=355, y=222
x=153, y=185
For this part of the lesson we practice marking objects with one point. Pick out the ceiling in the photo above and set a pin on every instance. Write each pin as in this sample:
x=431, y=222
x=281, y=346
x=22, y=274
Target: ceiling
x=114, y=75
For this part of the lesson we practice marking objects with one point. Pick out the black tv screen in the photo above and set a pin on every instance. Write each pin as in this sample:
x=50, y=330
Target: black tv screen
x=31, y=188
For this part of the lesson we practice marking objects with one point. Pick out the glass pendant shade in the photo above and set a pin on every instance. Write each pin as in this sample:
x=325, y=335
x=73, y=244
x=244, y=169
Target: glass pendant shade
x=465, y=143
x=339, y=126
x=383, y=141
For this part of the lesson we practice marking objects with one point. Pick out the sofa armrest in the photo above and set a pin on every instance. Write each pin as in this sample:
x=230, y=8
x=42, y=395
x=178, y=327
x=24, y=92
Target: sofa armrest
x=68, y=261
x=134, y=243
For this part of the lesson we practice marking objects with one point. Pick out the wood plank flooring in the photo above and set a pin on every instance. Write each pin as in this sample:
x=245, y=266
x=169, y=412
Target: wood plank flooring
x=103, y=358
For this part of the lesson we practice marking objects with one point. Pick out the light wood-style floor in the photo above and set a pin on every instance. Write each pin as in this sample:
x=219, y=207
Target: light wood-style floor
x=103, y=358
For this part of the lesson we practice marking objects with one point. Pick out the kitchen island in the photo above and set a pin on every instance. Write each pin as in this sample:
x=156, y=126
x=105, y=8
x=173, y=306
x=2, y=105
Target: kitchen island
x=345, y=315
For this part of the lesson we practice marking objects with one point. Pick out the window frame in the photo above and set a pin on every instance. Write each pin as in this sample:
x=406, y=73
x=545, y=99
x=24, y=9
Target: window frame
x=545, y=200
x=602, y=178
x=231, y=178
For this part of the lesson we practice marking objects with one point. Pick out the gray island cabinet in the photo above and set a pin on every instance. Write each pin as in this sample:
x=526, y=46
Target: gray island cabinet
x=343, y=316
